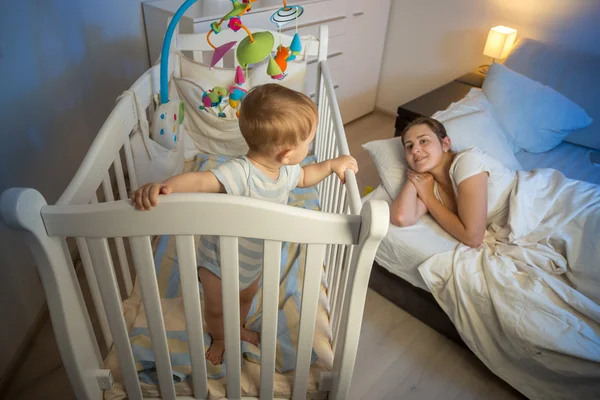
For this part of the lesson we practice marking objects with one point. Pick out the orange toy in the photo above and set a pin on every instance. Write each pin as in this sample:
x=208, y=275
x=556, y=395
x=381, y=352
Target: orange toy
x=281, y=57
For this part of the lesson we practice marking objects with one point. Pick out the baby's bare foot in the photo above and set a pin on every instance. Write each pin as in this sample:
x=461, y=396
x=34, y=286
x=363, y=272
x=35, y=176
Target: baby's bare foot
x=214, y=354
x=249, y=336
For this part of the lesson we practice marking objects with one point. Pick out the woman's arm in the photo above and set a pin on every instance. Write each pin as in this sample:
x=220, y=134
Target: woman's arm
x=407, y=208
x=469, y=225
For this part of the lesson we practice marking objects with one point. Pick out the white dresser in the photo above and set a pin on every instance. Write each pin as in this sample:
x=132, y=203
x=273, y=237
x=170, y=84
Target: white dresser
x=356, y=38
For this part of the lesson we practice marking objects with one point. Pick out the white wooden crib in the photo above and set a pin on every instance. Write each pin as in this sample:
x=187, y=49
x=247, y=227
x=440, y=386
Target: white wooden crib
x=344, y=237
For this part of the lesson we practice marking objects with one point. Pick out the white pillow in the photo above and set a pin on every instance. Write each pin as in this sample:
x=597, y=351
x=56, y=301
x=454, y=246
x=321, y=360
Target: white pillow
x=390, y=161
x=480, y=129
x=536, y=117
x=467, y=105
x=205, y=131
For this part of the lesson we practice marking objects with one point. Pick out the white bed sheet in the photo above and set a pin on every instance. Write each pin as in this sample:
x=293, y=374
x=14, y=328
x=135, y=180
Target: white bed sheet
x=404, y=249
x=570, y=159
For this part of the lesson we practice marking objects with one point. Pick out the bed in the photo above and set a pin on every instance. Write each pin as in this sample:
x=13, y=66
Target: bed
x=406, y=252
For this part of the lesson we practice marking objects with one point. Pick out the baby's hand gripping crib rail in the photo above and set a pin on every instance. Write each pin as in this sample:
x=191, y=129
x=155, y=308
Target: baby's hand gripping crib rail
x=344, y=238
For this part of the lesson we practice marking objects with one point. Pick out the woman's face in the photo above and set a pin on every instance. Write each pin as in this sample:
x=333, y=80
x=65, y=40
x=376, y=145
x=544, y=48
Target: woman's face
x=424, y=151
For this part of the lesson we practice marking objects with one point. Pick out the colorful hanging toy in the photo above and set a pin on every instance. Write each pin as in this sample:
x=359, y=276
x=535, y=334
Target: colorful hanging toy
x=237, y=92
x=213, y=98
x=252, y=49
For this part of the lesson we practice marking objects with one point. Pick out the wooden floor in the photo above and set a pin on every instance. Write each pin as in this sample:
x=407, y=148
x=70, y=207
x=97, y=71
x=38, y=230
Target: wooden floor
x=398, y=357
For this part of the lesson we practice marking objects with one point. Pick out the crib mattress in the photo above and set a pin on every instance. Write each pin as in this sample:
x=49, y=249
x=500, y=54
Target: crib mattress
x=173, y=311
x=250, y=376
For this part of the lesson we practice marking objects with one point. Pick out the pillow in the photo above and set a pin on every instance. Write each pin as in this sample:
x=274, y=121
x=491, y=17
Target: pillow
x=480, y=129
x=567, y=71
x=204, y=130
x=536, y=117
x=469, y=104
x=390, y=161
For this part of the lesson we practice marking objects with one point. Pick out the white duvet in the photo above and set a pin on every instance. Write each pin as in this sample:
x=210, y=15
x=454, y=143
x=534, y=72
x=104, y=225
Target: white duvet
x=527, y=301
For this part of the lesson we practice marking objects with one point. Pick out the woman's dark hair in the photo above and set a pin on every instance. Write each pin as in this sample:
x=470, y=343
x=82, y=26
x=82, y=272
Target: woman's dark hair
x=436, y=127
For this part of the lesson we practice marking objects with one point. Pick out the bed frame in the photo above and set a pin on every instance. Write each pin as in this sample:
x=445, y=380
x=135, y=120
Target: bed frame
x=344, y=238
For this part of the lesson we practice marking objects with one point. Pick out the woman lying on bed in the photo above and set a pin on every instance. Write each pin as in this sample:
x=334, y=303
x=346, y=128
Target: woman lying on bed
x=464, y=191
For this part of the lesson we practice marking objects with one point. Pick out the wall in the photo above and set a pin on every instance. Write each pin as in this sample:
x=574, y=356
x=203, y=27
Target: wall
x=62, y=65
x=430, y=43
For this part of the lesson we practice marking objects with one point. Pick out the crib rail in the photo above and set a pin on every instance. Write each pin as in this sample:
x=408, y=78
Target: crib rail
x=106, y=174
x=334, y=196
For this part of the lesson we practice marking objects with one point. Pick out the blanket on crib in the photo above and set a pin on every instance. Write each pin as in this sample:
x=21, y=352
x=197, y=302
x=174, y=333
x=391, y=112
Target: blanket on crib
x=527, y=301
x=167, y=271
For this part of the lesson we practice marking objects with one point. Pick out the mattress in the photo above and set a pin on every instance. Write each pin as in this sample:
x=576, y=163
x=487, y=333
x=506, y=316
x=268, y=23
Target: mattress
x=167, y=271
x=404, y=249
x=250, y=376
x=570, y=159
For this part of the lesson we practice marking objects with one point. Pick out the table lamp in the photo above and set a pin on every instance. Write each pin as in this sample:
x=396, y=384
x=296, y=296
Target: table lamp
x=499, y=42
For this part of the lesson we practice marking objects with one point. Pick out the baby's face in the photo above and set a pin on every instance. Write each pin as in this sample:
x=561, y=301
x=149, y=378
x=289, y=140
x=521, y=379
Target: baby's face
x=301, y=151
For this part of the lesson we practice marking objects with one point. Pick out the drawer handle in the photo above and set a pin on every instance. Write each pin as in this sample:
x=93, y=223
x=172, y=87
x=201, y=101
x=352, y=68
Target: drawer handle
x=358, y=14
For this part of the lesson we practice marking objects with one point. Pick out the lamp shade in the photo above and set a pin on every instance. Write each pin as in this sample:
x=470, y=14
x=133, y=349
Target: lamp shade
x=499, y=41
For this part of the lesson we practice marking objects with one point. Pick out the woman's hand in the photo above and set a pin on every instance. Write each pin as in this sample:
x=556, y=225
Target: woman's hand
x=423, y=183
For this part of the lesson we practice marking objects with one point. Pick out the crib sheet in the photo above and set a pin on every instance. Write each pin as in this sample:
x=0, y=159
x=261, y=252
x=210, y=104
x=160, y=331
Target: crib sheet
x=172, y=303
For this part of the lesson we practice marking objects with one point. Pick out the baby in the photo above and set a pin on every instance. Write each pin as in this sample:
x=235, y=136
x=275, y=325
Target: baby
x=278, y=125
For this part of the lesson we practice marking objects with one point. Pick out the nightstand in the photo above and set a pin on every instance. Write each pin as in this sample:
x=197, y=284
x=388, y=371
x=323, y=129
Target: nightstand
x=474, y=78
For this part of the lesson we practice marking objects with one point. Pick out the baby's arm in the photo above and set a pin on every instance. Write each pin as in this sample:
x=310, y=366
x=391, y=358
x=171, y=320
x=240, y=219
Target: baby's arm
x=146, y=196
x=312, y=174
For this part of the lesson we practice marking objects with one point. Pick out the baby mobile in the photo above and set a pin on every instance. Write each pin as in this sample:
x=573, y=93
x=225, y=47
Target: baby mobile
x=251, y=50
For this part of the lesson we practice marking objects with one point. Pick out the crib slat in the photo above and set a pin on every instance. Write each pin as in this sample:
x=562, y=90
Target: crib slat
x=109, y=289
x=334, y=255
x=120, y=178
x=122, y=255
x=198, y=56
x=308, y=316
x=186, y=257
x=340, y=293
x=86, y=260
x=323, y=143
x=270, y=301
x=327, y=144
x=339, y=268
x=144, y=266
x=130, y=166
x=230, y=276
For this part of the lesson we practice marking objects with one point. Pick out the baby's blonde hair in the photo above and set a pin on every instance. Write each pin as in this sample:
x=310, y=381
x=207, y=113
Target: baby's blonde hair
x=274, y=118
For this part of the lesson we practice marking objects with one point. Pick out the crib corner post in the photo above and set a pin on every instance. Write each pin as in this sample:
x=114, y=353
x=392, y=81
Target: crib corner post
x=375, y=215
x=21, y=210
x=322, y=56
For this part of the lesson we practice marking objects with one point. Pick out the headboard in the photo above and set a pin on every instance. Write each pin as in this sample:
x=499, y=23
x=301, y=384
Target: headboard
x=575, y=75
